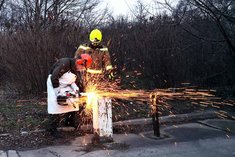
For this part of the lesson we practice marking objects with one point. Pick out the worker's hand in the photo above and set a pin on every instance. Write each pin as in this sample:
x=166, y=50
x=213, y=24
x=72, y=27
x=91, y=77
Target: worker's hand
x=109, y=74
x=77, y=93
x=74, y=87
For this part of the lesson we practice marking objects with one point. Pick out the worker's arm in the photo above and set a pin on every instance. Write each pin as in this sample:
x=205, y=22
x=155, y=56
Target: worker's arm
x=107, y=59
x=108, y=65
x=58, y=71
x=81, y=49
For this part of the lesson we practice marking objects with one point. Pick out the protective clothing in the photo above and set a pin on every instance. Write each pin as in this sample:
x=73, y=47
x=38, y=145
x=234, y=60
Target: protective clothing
x=67, y=83
x=53, y=107
x=61, y=81
x=100, y=57
x=60, y=67
x=95, y=36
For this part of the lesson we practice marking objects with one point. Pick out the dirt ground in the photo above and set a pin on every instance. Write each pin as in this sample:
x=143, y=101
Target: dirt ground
x=26, y=115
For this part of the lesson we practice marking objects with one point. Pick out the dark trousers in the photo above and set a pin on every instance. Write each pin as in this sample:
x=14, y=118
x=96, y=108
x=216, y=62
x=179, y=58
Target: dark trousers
x=68, y=119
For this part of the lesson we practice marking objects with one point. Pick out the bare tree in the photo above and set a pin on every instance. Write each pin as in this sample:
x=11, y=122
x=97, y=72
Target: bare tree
x=95, y=17
x=1, y=4
x=155, y=49
x=222, y=14
x=38, y=14
x=141, y=12
x=37, y=32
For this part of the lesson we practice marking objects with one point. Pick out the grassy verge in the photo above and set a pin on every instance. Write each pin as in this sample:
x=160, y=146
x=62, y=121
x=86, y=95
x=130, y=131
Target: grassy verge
x=16, y=116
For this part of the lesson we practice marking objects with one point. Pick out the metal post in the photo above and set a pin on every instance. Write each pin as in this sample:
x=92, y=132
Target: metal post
x=154, y=114
x=102, y=119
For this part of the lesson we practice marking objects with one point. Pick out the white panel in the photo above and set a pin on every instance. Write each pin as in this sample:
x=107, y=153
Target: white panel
x=3, y=154
x=105, y=117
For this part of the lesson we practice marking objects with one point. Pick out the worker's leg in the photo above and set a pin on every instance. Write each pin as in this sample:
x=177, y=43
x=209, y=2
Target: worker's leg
x=53, y=123
x=70, y=119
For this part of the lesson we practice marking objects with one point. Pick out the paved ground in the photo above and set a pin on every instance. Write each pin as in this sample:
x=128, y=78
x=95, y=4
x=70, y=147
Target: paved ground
x=204, y=138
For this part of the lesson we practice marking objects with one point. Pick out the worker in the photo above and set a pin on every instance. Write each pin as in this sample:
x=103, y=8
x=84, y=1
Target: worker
x=62, y=83
x=101, y=64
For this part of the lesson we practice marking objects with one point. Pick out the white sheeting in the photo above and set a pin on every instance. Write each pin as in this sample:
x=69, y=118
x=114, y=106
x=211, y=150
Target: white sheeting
x=65, y=81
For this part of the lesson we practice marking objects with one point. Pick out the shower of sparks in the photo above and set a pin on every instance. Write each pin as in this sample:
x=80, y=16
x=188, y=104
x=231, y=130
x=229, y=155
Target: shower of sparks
x=201, y=97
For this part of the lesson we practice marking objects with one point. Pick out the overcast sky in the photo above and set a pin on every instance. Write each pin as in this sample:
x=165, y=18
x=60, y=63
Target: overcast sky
x=122, y=7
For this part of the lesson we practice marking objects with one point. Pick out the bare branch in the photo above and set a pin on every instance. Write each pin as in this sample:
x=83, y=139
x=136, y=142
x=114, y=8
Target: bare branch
x=1, y=4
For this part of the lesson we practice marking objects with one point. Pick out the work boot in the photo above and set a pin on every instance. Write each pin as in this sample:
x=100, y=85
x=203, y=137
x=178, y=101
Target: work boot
x=56, y=134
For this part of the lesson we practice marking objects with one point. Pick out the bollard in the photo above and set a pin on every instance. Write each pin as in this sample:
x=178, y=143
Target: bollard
x=154, y=114
x=102, y=119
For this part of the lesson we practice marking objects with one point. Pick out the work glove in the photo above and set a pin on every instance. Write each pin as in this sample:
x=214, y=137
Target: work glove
x=76, y=89
x=77, y=93
x=109, y=74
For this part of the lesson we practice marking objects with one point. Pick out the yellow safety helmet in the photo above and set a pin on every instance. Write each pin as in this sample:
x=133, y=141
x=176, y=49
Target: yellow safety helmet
x=95, y=36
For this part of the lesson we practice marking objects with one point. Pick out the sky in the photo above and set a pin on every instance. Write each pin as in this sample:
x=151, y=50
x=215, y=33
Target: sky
x=125, y=7
x=121, y=7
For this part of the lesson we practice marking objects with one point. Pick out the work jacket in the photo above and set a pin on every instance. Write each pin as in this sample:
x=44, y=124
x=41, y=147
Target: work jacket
x=100, y=57
x=61, y=67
